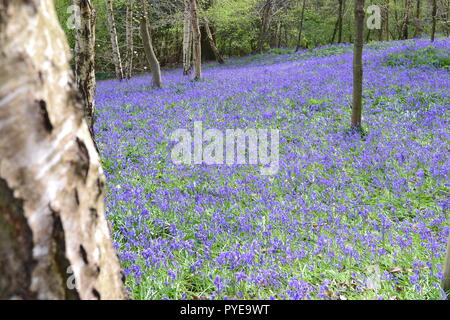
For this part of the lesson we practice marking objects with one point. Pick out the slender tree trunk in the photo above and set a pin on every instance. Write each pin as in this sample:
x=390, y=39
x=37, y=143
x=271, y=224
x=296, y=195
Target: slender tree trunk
x=179, y=46
x=212, y=43
x=148, y=48
x=434, y=17
x=113, y=37
x=300, y=28
x=278, y=35
x=336, y=27
x=418, y=23
x=341, y=18
x=85, y=59
x=265, y=24
x=406, y=20
x=397, y=23
x=187, y=39
x=388, y=31
x=197, y=41
x=446, y=279
x=54, y=238
x=129, y=39
x=357, y=63
x=286, y=35
x=383, y=17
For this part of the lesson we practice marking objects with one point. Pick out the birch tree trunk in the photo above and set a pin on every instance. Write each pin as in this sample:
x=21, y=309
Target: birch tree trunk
x=129, y=39
x=148, y=48
x=113, y=37
x=212, y=43
x=446, y=279
x=197, y=41
x=54, y=238
x=85, y=58
x=187, y=39
x=357, y=64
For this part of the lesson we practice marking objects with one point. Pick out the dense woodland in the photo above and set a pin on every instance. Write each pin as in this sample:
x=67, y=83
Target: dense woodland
x=242, y=27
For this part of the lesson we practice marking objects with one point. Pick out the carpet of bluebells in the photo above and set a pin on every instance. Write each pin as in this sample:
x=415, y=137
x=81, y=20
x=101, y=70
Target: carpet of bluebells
x=346, y=217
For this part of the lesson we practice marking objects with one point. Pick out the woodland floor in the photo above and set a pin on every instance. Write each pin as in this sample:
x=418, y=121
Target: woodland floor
x=344, y=218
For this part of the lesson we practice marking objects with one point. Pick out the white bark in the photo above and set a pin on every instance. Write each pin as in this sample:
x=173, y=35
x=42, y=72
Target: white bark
x=113, y=37
x=129, y=39
x=53, y=232
x=187, y=39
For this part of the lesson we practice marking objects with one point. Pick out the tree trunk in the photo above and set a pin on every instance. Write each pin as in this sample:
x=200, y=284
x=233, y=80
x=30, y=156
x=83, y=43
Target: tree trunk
x=397, y=23
x=341, y=18
x=446, y=279
x=265, y=24
x=383, y=15
x=357, y=64
x=187, y=39
x=418, y=23
x=148, y=48
x=197, y=41
x=278, y=35
x=85, y=59
x=405, y=24
x=368, y=35
x=212, y=43
x=54, y=238
x=388, y=31
x=129, y=39
x=336, y=26
x=113, y=37
x=434, y=17
x=300, y=29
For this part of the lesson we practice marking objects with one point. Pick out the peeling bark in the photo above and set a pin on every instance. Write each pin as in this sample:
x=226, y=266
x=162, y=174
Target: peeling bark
x=50, y=174
x=114, y=42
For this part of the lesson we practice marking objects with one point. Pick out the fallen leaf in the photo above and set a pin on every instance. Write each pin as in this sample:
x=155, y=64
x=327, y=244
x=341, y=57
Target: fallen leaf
x=396, y=270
